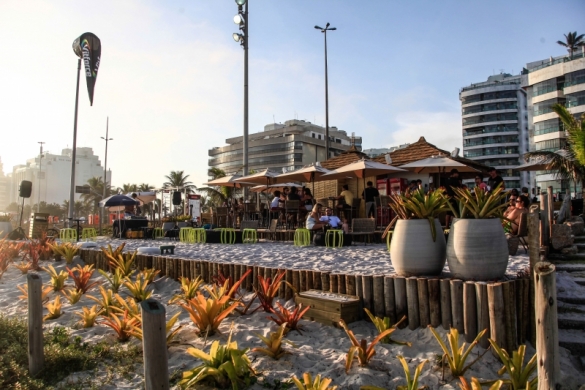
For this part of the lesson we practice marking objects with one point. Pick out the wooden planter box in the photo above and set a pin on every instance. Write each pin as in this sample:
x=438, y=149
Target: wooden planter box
x=328, y=308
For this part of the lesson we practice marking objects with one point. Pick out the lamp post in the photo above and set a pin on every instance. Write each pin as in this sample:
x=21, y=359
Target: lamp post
x=324, y=31
x=105, y=171
x=40, y=171
x=241, y=19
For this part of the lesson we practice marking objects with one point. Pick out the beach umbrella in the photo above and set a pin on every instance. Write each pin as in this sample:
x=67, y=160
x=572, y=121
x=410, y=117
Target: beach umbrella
x=118, y=203
x=310, y=173
x=274, y=187
x=540, y=163
x=263, y=177
x=229, y=181
x=437, y=164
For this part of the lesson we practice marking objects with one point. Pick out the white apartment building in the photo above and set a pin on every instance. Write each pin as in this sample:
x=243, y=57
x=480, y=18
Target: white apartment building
x=4, y=188
x=495, y=126
x=375, y=152
x=51, y=175
x=554, y=80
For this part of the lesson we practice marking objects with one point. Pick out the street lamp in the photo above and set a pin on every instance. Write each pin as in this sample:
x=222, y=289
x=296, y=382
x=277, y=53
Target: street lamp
x=40, y=171
x=241, y=19
x=105, y=171
x=324, y=31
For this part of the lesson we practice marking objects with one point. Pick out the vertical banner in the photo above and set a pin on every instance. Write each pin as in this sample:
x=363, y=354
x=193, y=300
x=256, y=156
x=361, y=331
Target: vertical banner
x=89, y=48
x=194, y=206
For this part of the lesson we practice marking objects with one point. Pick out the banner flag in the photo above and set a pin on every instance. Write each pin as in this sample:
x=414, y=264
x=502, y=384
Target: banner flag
x=89, y=48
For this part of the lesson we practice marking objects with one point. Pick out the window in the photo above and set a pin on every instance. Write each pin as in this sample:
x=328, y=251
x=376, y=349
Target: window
x=545, y=107
x=575, y=78
x=575, y=99
x=313, y=135
x=544, y=87
x=551, y=144
x=548, y=126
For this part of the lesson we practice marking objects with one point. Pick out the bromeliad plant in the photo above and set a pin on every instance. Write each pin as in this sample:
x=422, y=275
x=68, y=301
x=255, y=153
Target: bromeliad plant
x=106, y=300
x=24, y=289
x=290, y=318
x=171, y=333
x=225, y=365
x=57, y=279
x=113, y=253
x=189, y=289
x=87, y=317
x=309, y=383
x=149, y=274
x=273, y=343
x=81, y=277
x=519, y=375
x=122, y=325
x=411, y=381
x=66, y=250
x=54, y=309
x=455, y=355
x=479, y=204
x=139, y=288
x=418, y=205
x=23, y=267
x=476, y=385
x=73, y=295
x=123, y=262
x=384, y=324
x=268, y=290
x=116, y=279
x=361, y=349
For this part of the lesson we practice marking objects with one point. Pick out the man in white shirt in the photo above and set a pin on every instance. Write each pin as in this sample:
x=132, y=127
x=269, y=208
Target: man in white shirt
x=331, y=219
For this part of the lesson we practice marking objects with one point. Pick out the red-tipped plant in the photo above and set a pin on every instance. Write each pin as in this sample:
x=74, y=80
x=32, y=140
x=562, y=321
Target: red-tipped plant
x=5, y=261
x=81, y=277
x=290, y=317
x=123, y=326
x=32, y=252
x=268, y=290
x=220, y=281
x=45, y=250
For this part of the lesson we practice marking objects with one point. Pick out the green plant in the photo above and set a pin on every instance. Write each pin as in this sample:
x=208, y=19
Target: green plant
x=476, y=385
x=54, y=309
x=171, y=333
x=519, y=375
x=268, y=290
x=420, y=205
x=384, y=324
x=273, y=343
x=189, y=289
x=81, y=277
x=456, y=356
x=149, y=274
x=289, y=317
x=139, y=288
x=87, y=317
x=73, y=295
x=225, y=365
x=110, y=252
x=128, y=304
x=66, y=250
x=411, y=381
x=24, y=289
x=116, y=279
x=122, y=325
x=361, y=349
x=479, y=204
x=123, y=262
x=313, y=384
x=106, y=300
x=57, y=279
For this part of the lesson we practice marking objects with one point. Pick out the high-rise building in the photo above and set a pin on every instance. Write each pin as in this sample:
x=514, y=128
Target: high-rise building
x=547, y=82
x=495, y=128
x=375, y=152
x=290, y=146
x=4, y=188
x=51, y=183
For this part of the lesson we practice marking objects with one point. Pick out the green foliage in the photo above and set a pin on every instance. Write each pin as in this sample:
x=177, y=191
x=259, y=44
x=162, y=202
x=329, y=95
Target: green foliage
x=476, y=385
x=456, y=356
x=105, y=300
x=519, y=375
x=57, y=279
x=189, y=289
x=384, y=324
x=480, y=204
x=122, y=262
x=309, y=383
x=139, y=288
x=273, y=343
x=116, y=279
x=361, y=349
x=411, y=381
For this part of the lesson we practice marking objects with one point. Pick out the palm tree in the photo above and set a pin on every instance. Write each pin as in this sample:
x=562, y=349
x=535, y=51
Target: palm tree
x=97, y=189
x=572, y=41
x=216, y=197
x=569, y=162
x=144, y=187
x=127, y=188
x=178, y=179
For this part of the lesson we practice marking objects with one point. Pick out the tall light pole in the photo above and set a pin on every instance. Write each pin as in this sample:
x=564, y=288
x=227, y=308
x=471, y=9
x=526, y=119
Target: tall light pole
x=105, y=171
x=40, y=171
x=324, y=31
x=241, y=19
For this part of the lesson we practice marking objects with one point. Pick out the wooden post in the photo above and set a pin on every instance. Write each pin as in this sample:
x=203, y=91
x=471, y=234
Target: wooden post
x=469, y=311
x=510, y=315
x=282, y=288
x=412, y=303
x=154, y=345
x=434, y=302
x=317, y=280
x=423, y=302
x=333, y=285
x=309, y=280
x=360, y=293
x=547, y=332
x=389, y=300
x=550, y=212
x=325, y=281
x=36, y=355
x=545, y=221
x=303, y=280
x=378, y=295
x=296, y=277
x=400, y=299
x=445, y=287
x=367, y=281
x=534, y=241
x=255, y=273
x=496, y=310
x=525, y=310
x=350, y=284
x=483, y=312
x=341, y=283
x=457, y=305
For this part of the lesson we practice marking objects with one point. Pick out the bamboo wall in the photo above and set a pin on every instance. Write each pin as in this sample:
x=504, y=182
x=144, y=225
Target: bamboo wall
x=328, y=188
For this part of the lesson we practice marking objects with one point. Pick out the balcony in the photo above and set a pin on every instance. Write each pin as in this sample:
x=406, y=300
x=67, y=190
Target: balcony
x=490, y=141
x=542, y=91
x=490, y=153
x=550, y=63
x=552, y=129
x=467, y=133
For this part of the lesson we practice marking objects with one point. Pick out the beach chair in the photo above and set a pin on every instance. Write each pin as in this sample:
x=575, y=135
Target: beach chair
x=363, y=227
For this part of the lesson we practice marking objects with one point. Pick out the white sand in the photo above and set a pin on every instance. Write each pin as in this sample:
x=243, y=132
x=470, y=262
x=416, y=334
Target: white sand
x=320, y=349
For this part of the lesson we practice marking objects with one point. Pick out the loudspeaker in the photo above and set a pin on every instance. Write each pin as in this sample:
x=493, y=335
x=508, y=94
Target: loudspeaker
x=176, y=198
x=25, y=189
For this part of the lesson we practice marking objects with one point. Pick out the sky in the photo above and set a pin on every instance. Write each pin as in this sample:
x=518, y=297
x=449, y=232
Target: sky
x=171, y=76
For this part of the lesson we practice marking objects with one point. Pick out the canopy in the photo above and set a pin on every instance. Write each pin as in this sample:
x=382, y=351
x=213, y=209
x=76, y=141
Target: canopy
x=305, y=174
x=118, y=200
x=360, y=170
x=263, y=177
x=437, y=164
x=143, y=196
x=274, y=187
x=229, y=181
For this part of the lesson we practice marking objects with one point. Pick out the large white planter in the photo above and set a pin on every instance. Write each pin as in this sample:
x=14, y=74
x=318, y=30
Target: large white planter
x=413, y=251
x=477, y=249
x=5, y=228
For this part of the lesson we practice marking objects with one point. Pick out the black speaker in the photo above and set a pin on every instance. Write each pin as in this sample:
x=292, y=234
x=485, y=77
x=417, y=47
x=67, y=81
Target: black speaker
x=176, y=198
x=25, y=189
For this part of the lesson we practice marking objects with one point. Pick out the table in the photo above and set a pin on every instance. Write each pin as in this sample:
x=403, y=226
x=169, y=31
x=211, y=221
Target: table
x=120, y=226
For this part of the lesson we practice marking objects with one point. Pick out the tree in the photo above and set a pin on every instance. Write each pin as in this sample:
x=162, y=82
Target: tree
x=127, y=188
x=178, y=179
x=569, y=162
x=52, y=209
x=216, y=197
x=572, y=41
x=144, y=187
x=96, y=185
x=12, y=207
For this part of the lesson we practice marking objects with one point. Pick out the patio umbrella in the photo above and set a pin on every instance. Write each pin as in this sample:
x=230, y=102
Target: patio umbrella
x=306, y=174
x=437, y=164
x=118, y=203
x=229, y=181
x=263, y=177
x=274, y=187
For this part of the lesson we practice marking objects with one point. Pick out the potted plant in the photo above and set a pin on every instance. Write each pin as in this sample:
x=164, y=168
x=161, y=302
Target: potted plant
x=477, y=248
x=418, y=243
x=5, y=225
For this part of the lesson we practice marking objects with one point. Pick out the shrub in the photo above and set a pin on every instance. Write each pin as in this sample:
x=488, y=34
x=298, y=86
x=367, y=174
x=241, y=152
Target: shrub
x=149, y=274
x=23, y=266
x=123, y=262
x=273, y=343
x=66, y=250
x=32, y=251
x=116, y=279
x=268, y=290
x=81, y=277
x=411, y=381
x=313, y=384
x=519, y=375
x=87, y=317
x=383, y=324
x=24, y=289
x=289, y=317
x=57, y=279
x=5, y=261
x=457, y=356
x=106, y=300
x=189, y=289
x=361, y=349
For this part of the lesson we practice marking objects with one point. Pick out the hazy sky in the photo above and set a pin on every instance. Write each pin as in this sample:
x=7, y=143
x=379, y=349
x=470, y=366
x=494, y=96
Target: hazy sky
x=171, y=77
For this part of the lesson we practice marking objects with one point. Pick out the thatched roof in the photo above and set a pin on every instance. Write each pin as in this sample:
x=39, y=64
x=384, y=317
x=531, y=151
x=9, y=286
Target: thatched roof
x=349, y=156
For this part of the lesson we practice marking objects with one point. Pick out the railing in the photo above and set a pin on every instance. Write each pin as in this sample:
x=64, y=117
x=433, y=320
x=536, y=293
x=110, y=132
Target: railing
x=575, y=103
x=487, y=131
x=542, y=91
x=550, y=63
x=542, y=111
x=467, y=111
x=574, y=82
x=489, y=84
x=551, y=129
x=480, y=154
x=491, y=141
x=467, y=122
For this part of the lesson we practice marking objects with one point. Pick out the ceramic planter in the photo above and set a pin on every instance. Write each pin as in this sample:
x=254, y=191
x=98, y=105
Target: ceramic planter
x=477, y=249
x=413, y=251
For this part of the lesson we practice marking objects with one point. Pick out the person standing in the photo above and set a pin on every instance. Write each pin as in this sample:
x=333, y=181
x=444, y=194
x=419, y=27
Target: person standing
x=368, y=194
x=347, y=197
x=453, y=182
x=495, y=179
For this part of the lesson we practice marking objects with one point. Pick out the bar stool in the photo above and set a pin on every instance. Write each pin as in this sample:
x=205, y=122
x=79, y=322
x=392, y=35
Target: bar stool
x=185, y=234
x=68, y=235
x=336, y=238
x=158, y=233
x=198, y=236
x=88, y=233
x=228, y=235
x=302, y=237
x=249, y=236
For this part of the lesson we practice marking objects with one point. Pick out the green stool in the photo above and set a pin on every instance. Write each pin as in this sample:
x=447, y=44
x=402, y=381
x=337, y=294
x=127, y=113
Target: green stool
x=198, y=235
x=158, y=233
x=302, y=237
x=68, y=235
x=388, y=239
x=228, y=235
x=185, y=234
x=336, y=236
x=88, y=233
x=167, y=249
x=249, y=236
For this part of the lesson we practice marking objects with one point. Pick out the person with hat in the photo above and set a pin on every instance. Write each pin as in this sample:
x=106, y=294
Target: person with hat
x=495, y=179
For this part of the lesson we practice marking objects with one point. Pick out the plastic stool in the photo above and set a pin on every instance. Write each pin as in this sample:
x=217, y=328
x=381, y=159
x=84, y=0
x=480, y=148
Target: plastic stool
x=249, y=236
x=158, y=233
x=228, y=235
x=88, y=233
x=68, y=235
x=388, y=239
x=198, y=235
x=302, y=237
x=185, y=234
x=336, y=236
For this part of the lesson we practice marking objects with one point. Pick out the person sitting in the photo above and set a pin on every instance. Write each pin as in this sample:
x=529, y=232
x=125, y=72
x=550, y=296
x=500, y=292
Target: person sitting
x=515, y=216
x=511, y=206
x=346, y=196
x=331, y=219
x=294, y=194
x=284, y=194
x=307, y=199
x=313, y=218
x=275, y=204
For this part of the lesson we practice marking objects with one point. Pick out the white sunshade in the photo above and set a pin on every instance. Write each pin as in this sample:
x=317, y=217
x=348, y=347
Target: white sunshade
x=228, y=181
x=360, y=170
x=438, y=164
x=305, y=174
x=274, y=187
x=263, y=177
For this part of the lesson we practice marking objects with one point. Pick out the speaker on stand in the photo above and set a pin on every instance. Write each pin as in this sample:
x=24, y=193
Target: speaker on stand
x=176, y=202
x=24, y=191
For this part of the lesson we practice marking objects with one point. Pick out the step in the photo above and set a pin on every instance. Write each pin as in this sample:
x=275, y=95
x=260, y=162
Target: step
x=571, y=299
x=571, y=321
x=554, y=257
x=573, y=340
x=570, y=267
x=566, y=308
